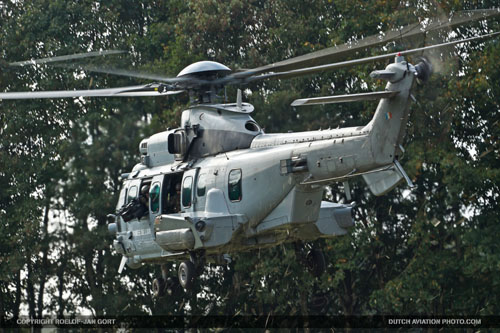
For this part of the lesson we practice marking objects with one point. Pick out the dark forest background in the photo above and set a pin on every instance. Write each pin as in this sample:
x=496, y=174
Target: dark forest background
x=433, y=250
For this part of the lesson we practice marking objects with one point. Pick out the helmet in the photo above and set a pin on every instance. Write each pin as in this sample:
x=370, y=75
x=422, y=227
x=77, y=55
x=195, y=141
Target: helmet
x=144, y=189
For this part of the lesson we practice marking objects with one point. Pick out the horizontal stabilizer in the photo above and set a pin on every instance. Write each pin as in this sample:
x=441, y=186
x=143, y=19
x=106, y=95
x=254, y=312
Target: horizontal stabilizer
x=345, y=98
x=384, y=181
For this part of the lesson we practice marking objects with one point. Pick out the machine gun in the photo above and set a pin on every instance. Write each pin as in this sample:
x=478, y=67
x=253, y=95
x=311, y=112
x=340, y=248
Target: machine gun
x=134, y=209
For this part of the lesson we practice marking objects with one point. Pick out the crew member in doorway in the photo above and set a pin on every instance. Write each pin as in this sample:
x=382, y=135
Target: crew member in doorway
x=175, y=199
x=137, y=208
x=144, y=200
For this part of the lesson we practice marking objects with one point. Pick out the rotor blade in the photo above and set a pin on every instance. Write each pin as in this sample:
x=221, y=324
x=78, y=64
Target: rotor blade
x=344, y=98
x=145, y=90
x=187, y=81
x=310, y=70
x=148, y=93
x=129, y=73
x=336, y=53
x=122, y=264
x=65, y=57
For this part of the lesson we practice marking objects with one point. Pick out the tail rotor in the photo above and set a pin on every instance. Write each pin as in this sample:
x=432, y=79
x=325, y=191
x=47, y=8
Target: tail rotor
x=424, y=70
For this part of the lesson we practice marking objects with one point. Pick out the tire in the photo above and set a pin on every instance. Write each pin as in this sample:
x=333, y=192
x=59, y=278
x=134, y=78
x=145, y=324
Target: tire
x=187, y=272
x=316, y=263
x=158, y=287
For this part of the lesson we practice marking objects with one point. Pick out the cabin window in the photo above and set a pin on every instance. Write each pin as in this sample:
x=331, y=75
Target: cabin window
x=202, y=186
x=186, y=191
x=234, y=186
x=154, y=197
x=132, y=193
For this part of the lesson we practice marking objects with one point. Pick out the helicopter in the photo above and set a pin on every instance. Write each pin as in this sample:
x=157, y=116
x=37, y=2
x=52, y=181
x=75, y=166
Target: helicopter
x=219, y=184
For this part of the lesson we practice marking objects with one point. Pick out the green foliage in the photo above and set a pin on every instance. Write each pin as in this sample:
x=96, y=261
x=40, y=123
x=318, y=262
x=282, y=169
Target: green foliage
x=60, y=161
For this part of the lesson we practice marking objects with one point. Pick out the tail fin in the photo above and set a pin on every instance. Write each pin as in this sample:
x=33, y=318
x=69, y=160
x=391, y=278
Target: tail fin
x=388, y=126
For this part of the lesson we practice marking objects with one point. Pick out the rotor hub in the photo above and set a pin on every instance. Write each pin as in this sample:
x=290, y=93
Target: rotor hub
x=205, y=68
x=424, y=70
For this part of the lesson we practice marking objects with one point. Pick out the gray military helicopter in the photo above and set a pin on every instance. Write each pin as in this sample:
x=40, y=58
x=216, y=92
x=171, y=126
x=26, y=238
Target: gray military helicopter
x=218, y=184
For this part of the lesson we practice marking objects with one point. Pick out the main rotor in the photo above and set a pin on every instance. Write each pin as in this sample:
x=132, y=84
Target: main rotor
x=202, y=80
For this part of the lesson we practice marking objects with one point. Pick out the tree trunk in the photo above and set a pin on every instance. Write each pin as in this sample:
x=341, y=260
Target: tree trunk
x=44, y=267
x=30, y=289
x=60, y=290
x=17, y=302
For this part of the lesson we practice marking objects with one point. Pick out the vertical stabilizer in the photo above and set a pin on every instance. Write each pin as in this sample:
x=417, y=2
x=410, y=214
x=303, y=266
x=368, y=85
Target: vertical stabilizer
x=388, y=126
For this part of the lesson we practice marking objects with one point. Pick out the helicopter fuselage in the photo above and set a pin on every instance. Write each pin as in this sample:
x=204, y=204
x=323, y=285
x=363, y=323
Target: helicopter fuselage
x=259, y=190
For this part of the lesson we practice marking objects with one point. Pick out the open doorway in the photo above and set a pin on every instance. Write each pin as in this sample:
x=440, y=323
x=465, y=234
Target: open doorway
x=171, y=194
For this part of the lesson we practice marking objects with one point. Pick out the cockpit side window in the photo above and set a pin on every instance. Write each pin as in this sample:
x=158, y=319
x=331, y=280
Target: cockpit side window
x=186, y=191
x=132, y=193
x=234, y=185
x=123, y=197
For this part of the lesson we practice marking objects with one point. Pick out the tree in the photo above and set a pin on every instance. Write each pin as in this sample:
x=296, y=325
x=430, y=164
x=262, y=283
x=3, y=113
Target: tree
x=428, y=251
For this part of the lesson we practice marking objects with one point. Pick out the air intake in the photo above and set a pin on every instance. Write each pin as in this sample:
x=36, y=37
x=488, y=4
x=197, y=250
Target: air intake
x=143, y=147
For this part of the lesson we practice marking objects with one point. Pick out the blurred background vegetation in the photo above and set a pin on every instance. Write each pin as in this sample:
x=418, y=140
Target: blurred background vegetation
x=432, y=250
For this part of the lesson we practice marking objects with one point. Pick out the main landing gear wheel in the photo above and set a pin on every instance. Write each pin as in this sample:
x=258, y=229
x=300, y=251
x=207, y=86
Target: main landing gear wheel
x=316, y=263
x=187, y=272
x=158, y=287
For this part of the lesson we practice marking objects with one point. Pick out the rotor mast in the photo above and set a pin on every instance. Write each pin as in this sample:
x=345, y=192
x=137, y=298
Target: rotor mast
x=203, y=74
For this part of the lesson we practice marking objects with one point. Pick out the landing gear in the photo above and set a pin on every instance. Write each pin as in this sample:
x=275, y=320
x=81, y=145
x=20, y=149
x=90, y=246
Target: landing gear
x=165, y=285
x=158, y=287
x=187, y=272
x=172, y=286
x=316, y=262
x=310, y=257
